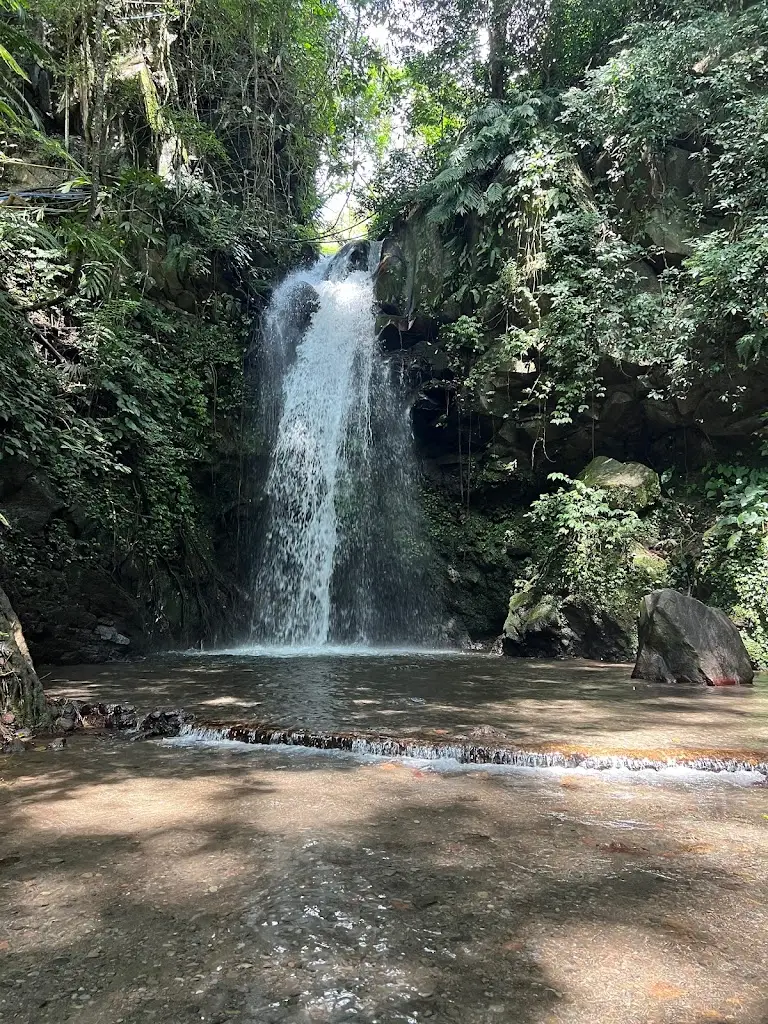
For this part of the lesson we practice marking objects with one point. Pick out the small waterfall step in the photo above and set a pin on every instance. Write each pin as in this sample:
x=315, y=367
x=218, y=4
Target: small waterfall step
x=469, y=753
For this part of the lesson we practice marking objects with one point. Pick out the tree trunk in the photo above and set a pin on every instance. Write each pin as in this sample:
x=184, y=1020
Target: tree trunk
x=21, y=692
x=498, y=48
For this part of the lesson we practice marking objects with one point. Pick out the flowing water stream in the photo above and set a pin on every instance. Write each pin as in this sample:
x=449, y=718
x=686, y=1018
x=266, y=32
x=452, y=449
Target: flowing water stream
x=342, y=559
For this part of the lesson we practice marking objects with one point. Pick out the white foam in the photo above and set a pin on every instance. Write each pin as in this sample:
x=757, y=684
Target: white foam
x=670, y=775
x=329, y=651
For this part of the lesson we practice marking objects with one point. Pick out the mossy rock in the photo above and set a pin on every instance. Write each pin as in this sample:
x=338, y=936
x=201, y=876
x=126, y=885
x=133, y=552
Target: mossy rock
x=474, y=560
x=649, y=563
x=629, y=484
x=529, y=613
x=518, y=542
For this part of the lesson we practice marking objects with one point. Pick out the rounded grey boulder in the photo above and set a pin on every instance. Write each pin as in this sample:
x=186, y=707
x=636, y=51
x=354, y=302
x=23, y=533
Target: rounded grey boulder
x=682, y=640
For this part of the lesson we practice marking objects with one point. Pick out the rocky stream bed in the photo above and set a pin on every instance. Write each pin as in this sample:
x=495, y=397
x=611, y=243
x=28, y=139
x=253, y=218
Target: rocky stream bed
x=196, y=879
x=149, y=882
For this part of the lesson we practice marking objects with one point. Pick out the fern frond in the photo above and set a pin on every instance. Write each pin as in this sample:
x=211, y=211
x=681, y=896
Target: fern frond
x=471, y=198
x=15, y=44
x=494, y=193
x=451, y=176
x=487, y=114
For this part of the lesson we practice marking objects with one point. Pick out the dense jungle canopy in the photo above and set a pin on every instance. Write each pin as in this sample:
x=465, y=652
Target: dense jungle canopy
x=579, y=194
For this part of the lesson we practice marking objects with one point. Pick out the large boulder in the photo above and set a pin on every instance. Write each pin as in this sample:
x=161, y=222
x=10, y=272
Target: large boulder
x=533, y=622
x=681, y=640
x=391, y=280
x=630, y=484
x=547, y=626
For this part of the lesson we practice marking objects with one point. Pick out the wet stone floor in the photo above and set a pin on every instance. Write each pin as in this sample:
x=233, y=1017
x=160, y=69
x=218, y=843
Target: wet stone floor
x=158, y=882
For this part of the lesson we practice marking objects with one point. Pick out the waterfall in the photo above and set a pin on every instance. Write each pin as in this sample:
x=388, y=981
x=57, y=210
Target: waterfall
x=342, y=559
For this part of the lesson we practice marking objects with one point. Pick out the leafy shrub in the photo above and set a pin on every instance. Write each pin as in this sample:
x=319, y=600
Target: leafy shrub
x=554, y=265
x=733, y=570
x=128, y=406
x=584, y=547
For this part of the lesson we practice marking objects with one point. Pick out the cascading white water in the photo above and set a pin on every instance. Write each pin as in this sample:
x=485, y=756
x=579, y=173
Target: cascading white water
x=341, y=559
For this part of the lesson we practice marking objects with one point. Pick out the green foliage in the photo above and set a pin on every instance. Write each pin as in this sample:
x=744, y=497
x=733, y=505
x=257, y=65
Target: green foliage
x=584, y=548
x=554, y=265
x=477, y=552
x=194, y=134
x=127, y=314
x=127, y=404
x=733, y=568
x=742, y=496
x=16, y=46
x=123, y=425
x=472, y=537
x=468, y=181
x=610, y=204
x=544, y=273
x=463, y=341
x=699, y=77
x=579, y=35
x=725, y=290
x=697, y=83
x=739, y=584
x=597, y=309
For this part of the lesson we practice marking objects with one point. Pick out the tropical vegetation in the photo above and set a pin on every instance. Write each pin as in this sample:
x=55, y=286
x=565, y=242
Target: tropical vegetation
x=595, y=176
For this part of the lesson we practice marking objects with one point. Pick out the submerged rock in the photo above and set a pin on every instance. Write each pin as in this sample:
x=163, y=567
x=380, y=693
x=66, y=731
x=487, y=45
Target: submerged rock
x=682, y=640
x=164, y=723
x=632, y=484
x=75, y=714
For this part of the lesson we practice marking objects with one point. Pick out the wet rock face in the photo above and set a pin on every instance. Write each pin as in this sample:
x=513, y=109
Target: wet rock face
x=75, y=614
x=111, y=635
x=69, y=715
x=682, y=640
x=304, y=304
x=83, y=610
x=391, y=283
x=545, y=626
x=350, y=257
x=164, y=723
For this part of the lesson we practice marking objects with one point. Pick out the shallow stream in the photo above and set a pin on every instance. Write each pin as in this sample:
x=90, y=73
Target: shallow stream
x=440, y=697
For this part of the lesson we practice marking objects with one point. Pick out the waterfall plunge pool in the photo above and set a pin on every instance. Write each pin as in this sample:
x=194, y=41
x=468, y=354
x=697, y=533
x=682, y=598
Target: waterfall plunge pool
x=441, y=700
